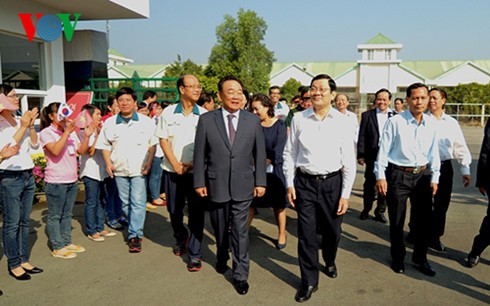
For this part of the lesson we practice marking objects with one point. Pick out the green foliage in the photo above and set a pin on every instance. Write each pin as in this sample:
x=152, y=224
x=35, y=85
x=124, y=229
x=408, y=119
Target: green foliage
x=290, y=89
x=178, y=68
x=241, y=51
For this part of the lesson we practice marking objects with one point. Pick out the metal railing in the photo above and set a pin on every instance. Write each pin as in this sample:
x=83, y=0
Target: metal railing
x=166, y=88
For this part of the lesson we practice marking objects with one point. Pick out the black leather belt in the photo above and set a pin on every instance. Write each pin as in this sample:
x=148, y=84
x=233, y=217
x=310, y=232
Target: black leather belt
x=414, y=170
x=318, y=177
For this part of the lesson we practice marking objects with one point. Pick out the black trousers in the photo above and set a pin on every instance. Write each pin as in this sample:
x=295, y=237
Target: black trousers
x=180, y=188
x=442, y=198
x=317, y=201
x=237, y=213
x=401, y=186
x=482, y=240
x=370, y=191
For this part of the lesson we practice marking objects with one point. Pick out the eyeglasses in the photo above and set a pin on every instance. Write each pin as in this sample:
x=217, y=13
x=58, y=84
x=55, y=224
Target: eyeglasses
x=322, y=90
x=193, y=86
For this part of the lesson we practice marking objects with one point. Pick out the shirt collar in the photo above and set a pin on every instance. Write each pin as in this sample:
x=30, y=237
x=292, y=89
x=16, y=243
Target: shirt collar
x=309, y=112
x=180, y=109
x=411, y=119
x=119, y=118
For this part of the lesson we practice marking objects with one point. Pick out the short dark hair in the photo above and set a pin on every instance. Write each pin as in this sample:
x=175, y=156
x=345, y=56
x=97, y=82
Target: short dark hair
x=229, y=78
x=415, y=86
x=441, y=91
x=274, y=87
x=398, y=99
x=149, y=94
x=142, y=105
x=6, y=89
x=304, y=90
x=110, y=100
x=331, y=82
x=382, y=90
x=90, y=108
x=205, y=97
x=265, y=101
x=126, y=91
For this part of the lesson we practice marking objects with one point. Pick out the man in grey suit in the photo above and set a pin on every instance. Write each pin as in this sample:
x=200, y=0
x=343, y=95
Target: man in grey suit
x=230, y=169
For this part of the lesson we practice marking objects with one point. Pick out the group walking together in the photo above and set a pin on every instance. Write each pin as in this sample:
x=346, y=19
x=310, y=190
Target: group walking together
x=252, y=152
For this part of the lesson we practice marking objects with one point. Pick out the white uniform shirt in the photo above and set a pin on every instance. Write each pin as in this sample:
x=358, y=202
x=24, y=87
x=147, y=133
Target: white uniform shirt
x=179, y=130
x=451, y=142
x=22, y=160
x=320, y=147
x=92, y=166
x=128, y=142
x=281, y=110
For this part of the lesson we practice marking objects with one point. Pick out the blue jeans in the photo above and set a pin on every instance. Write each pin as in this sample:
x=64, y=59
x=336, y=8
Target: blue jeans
x=132, y=191
x=155, y=181
x=16, y=195
x=61, y=199
x=112, y=200
x=94, y=212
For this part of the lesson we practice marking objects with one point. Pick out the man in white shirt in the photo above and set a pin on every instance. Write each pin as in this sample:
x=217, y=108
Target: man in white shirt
x=176, y=130
x=281, y=109
x=342, y=102
x=451, y=145
x=319, y=176
x=128, y=147
x=408, y=167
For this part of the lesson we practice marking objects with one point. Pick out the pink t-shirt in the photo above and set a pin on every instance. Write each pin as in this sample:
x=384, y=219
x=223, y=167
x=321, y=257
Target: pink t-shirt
x=61, y=169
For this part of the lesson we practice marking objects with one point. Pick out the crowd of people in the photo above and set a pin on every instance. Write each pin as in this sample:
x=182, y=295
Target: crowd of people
x=253, y=152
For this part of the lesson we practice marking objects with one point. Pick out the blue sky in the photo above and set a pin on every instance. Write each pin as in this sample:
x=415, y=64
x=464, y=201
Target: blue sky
x=308, y=30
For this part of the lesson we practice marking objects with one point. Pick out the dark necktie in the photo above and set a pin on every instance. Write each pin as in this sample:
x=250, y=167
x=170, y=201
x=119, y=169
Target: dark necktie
x=231, y=128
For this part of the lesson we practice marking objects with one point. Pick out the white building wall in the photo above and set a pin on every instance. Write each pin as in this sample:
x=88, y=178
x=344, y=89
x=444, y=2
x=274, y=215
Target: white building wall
x=464, y=75
x=348, y=80
x=372, y=78
x=291, y=72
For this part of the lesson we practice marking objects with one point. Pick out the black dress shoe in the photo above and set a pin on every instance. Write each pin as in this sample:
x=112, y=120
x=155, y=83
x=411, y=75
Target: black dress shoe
x=437, y=246
x=331, y=271
x=473, y=260
x=241, y=286
x=425, y=268
x=221, y=267
x=380, y=218
x=364, y=215
x=304, y=293
x=23, y=276
x=34, y=270
x=398, y=267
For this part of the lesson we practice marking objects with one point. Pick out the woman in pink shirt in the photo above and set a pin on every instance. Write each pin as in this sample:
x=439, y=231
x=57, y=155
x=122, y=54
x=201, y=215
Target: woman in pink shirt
x=61, y=144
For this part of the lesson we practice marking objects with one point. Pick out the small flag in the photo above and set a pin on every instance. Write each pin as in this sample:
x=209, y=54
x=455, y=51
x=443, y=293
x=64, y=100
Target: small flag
x=6, y=104
x=84, y=119
x=64, y=111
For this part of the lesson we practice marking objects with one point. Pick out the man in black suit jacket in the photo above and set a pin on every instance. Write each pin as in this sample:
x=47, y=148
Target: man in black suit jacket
x=230, y=169
x=372, y=124
x=482, y=240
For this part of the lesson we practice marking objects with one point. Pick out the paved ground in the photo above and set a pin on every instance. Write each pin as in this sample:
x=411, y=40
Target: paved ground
x=107, y=274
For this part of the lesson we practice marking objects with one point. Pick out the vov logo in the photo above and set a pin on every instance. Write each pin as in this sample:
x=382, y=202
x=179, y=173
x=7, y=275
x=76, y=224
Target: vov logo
x=49, y=27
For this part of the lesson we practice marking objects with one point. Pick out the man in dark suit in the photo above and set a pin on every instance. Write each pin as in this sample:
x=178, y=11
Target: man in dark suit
x=230, y=169
x=372, y=124
x=482, y=240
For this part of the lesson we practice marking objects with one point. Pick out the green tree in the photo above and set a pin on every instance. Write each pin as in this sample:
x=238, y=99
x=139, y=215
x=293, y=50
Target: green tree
x=240, y=50
x=290, y=89
x=179, y=68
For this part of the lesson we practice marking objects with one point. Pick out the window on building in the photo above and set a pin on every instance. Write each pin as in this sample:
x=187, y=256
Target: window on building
x=370, y=55
x=387, y=54
x=20, y=61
